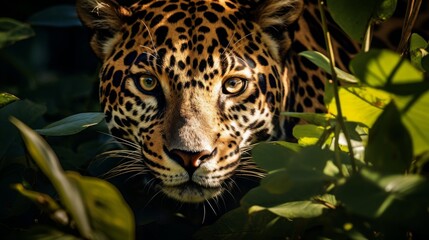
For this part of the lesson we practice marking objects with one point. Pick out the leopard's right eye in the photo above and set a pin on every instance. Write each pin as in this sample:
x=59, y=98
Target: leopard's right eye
x=234, y=86
x=147, y=82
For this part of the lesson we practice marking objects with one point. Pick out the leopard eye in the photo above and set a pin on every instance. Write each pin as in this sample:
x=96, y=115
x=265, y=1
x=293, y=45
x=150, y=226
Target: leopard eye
x=234, y=86
x=148, y=83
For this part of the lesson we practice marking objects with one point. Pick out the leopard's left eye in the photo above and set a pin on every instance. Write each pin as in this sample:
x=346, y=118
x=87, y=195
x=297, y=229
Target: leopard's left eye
x=234, y=86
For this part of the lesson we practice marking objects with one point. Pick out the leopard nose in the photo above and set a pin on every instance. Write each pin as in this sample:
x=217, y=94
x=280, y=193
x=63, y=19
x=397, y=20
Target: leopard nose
x=190, y=160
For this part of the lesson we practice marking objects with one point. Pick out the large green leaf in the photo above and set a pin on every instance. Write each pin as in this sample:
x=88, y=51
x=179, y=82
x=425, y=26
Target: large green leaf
x=12, y=31
x=22, y=109
x=109, y=213
x=47, y=161
x=72, y=124
x=388, y=71
x=361, y=104
x=370, y=194
x=389, y=133
x=271, y=156
x=354, y=16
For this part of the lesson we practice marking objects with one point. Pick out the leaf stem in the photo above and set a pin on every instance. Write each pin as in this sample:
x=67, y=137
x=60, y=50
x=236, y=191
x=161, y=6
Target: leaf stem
x=413, y=7
x=339, y=116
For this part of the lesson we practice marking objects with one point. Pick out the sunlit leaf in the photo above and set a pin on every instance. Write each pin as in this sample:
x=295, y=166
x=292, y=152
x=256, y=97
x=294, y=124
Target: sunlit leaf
x=360, y=104
x=307, y=134
x=48, y=163
x=323, y=62
x=109, y=213
x=56, y=16
x=390, y=72
x=6, y=98
x=290, y=210
x=12, y=31
x=72, y=124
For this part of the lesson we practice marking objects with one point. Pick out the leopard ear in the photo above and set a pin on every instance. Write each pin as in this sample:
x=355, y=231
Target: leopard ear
x=104, y=18
x=274, y=13
x=275, y=17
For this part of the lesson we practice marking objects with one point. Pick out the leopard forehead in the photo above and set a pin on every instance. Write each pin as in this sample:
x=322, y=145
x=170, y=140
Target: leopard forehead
x=183, y=40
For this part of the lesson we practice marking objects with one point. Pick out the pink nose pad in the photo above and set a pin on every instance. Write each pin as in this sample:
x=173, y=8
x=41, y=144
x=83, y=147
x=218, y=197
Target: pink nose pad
x=190, y=160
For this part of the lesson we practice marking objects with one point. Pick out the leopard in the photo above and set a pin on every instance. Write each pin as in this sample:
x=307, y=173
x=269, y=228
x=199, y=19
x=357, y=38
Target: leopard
x=190, y=86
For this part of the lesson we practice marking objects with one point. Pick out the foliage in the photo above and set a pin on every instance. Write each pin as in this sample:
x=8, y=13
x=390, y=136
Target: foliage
x=356, y=172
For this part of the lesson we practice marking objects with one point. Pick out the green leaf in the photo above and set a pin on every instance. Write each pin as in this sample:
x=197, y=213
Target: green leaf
x=45, y=158
x=361, y=104
x=390, y=72
x=307, y=134
x=417, y=41
x=291, y=210
x=12, y=31
x=237, y=224
x=271, y=156
x=323, y=62
x=6, y=98
x=277, y=182
x=418, y=50
x=110, y=214
x=370, y=194
x=385, y=9
x=415, y=117
x=56, y=16
x=72, y=124
x=353, y=16
x=389, y=133
x=22, y=109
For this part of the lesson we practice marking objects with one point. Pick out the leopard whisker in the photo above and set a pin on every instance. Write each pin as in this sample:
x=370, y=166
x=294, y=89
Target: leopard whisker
x=151, y=38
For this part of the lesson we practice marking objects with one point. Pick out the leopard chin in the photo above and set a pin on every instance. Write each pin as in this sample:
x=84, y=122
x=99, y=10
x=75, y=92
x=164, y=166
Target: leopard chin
x=191, y=192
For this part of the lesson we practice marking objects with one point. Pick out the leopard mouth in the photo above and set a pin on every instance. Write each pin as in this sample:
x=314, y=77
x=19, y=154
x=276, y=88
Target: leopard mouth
x=191, y=192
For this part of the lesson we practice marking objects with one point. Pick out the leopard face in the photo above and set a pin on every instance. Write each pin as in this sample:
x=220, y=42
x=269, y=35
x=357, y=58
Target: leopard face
x=191, y=84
